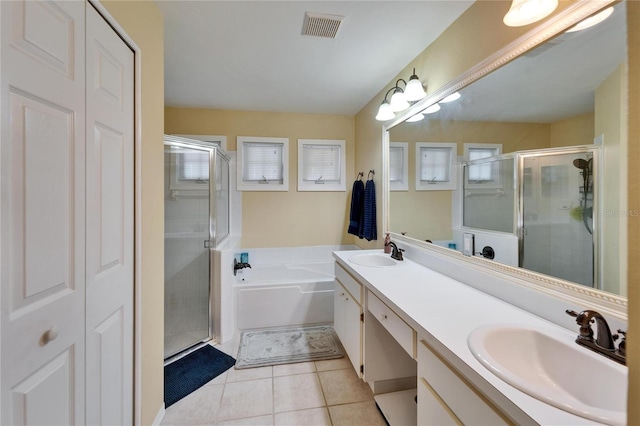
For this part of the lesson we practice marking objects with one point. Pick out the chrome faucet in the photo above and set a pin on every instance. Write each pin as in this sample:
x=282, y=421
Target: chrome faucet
x=603, y=343
x=396, y=253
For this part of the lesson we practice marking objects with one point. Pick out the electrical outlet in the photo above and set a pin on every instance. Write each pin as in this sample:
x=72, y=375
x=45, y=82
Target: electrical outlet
x=468, y=244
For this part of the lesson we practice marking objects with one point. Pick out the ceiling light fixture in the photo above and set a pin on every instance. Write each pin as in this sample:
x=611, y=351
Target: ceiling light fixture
x=592, y=20
x=525, y=12
x=400, y=99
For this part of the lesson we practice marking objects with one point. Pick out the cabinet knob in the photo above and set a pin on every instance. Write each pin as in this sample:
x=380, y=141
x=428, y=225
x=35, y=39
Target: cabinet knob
x=49, y=335
x=341, y=294
x=383, y=316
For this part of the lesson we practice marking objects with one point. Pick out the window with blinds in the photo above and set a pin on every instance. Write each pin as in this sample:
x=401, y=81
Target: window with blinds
x=435, y=166
x=263, y=164
x=193, y=166
x=398, y=166
x=482, y=173
x=321, y=165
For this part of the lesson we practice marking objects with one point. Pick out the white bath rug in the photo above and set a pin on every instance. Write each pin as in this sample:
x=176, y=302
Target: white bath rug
x=259, y=348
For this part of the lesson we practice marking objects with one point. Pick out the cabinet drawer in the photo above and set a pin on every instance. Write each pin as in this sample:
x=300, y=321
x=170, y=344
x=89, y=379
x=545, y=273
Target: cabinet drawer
x=455, y=392
x=399, y=329
x=347, y=281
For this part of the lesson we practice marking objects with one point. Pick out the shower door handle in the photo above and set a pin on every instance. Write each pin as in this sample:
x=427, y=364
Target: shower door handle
x=207, y=244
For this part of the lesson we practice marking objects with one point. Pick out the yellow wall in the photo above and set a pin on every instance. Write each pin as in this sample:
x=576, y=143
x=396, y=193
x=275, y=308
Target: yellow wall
x=633, y=199
x=572, y=131
x=281, y=219
x=143, y=22
x=611, y=114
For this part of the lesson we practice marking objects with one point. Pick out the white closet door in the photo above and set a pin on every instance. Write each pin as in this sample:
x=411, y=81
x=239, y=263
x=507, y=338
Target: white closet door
x=109, y=225
x=42, y=211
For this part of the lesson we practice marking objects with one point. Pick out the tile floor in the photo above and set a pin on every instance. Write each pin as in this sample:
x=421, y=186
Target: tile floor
x=308, y=394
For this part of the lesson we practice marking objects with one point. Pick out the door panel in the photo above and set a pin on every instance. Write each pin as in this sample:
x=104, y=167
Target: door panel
x=42, y=228
x=109, y=396
x=40, y=398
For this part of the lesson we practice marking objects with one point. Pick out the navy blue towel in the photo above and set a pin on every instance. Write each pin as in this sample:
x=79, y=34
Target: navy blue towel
x=368, y=229
x=357, y=200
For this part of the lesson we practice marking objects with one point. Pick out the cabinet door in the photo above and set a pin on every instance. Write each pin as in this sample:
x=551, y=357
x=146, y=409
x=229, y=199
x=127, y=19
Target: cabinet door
x=42, y=263
x=339, y=294
x=353, y=332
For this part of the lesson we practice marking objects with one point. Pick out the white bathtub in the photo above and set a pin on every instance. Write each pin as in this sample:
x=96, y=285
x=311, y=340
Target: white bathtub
x=284, y=295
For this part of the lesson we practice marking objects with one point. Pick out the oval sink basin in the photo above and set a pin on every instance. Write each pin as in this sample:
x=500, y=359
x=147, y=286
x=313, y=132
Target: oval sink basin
x=548, y=365
x=376, y=260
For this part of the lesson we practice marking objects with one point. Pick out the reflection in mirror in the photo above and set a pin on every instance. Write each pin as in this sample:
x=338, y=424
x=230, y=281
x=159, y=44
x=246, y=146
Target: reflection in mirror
x=569, y=93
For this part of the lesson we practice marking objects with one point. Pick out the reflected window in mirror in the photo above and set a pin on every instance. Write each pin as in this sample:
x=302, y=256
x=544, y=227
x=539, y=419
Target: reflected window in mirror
x=435, y=166
x=484, y=175
x=398, y=166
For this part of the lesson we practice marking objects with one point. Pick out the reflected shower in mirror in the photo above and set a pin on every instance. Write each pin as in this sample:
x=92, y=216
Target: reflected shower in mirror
x=546, y=213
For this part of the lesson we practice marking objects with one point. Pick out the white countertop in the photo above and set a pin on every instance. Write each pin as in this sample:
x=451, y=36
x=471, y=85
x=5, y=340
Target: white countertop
x=445, y=310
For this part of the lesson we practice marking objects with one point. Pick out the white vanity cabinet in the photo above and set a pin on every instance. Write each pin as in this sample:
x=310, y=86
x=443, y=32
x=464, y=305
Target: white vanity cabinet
x=347, y=311
x=445, y=397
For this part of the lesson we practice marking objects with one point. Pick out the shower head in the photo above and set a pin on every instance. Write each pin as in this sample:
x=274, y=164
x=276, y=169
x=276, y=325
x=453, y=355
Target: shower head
x=582, y=164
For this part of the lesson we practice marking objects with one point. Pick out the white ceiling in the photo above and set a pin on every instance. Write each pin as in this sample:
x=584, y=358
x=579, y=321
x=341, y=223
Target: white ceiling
x=250, y=55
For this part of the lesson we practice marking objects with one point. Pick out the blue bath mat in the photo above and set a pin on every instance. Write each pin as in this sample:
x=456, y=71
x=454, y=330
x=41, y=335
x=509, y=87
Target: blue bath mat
x=193, y=371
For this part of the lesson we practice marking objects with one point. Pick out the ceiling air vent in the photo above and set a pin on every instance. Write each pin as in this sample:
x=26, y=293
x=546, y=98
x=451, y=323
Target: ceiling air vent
x=319, y=25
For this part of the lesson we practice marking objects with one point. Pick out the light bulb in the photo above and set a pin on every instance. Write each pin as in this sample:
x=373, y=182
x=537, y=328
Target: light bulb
x=419, y=116
x=398, y=101
x=433, y=108
x=384, y=112
x=414, y=90
x=452, y=97
x=591, y=21
x=525, y=12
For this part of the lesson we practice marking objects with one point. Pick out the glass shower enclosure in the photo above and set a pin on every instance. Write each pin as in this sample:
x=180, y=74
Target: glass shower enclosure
x=196, y=182
x=546, y=199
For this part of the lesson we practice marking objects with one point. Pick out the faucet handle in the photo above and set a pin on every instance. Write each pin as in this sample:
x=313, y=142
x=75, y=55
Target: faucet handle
x=622, y=346
x=571, y=313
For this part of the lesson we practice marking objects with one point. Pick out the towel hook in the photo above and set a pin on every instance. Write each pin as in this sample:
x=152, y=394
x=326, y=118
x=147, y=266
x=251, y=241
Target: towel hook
x=360, y=176
x=371, y=172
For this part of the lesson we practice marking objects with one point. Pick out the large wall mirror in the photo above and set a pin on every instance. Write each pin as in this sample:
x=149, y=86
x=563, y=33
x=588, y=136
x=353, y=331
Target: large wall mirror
x=538, y=171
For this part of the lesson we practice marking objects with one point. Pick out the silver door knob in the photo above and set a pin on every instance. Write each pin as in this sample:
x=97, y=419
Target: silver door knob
x=50, y=335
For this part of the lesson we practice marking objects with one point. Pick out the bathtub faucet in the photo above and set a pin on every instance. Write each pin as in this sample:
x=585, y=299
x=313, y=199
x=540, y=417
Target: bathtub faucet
x=239, y=265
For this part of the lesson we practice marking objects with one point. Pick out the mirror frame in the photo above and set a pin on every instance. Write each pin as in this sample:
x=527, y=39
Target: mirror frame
x=606, y=302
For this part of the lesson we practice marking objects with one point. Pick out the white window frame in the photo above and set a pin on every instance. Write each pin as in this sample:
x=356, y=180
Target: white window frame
x=403, y=184
x=320, y=184
x=219, y=140
x=243, y=185
x=496, y=182
x=449, y=185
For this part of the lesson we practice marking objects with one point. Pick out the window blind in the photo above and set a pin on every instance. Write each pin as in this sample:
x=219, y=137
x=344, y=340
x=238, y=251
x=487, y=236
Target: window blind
x=482, y=172
x=434, y=164
x=321, y=163
x=193, y=166
x=262, y=162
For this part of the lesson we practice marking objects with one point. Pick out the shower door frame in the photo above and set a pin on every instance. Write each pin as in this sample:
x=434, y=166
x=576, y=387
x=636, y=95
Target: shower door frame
x=596, y=152
x=213, y=149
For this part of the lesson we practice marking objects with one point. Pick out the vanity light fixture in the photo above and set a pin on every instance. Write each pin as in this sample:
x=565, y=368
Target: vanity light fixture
x=418, y=117
x=452, y=97
x=525, y=12
x=384, y=112
x=400, y=99
x=414, y=90
x=591, y=21
x=433, y=108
